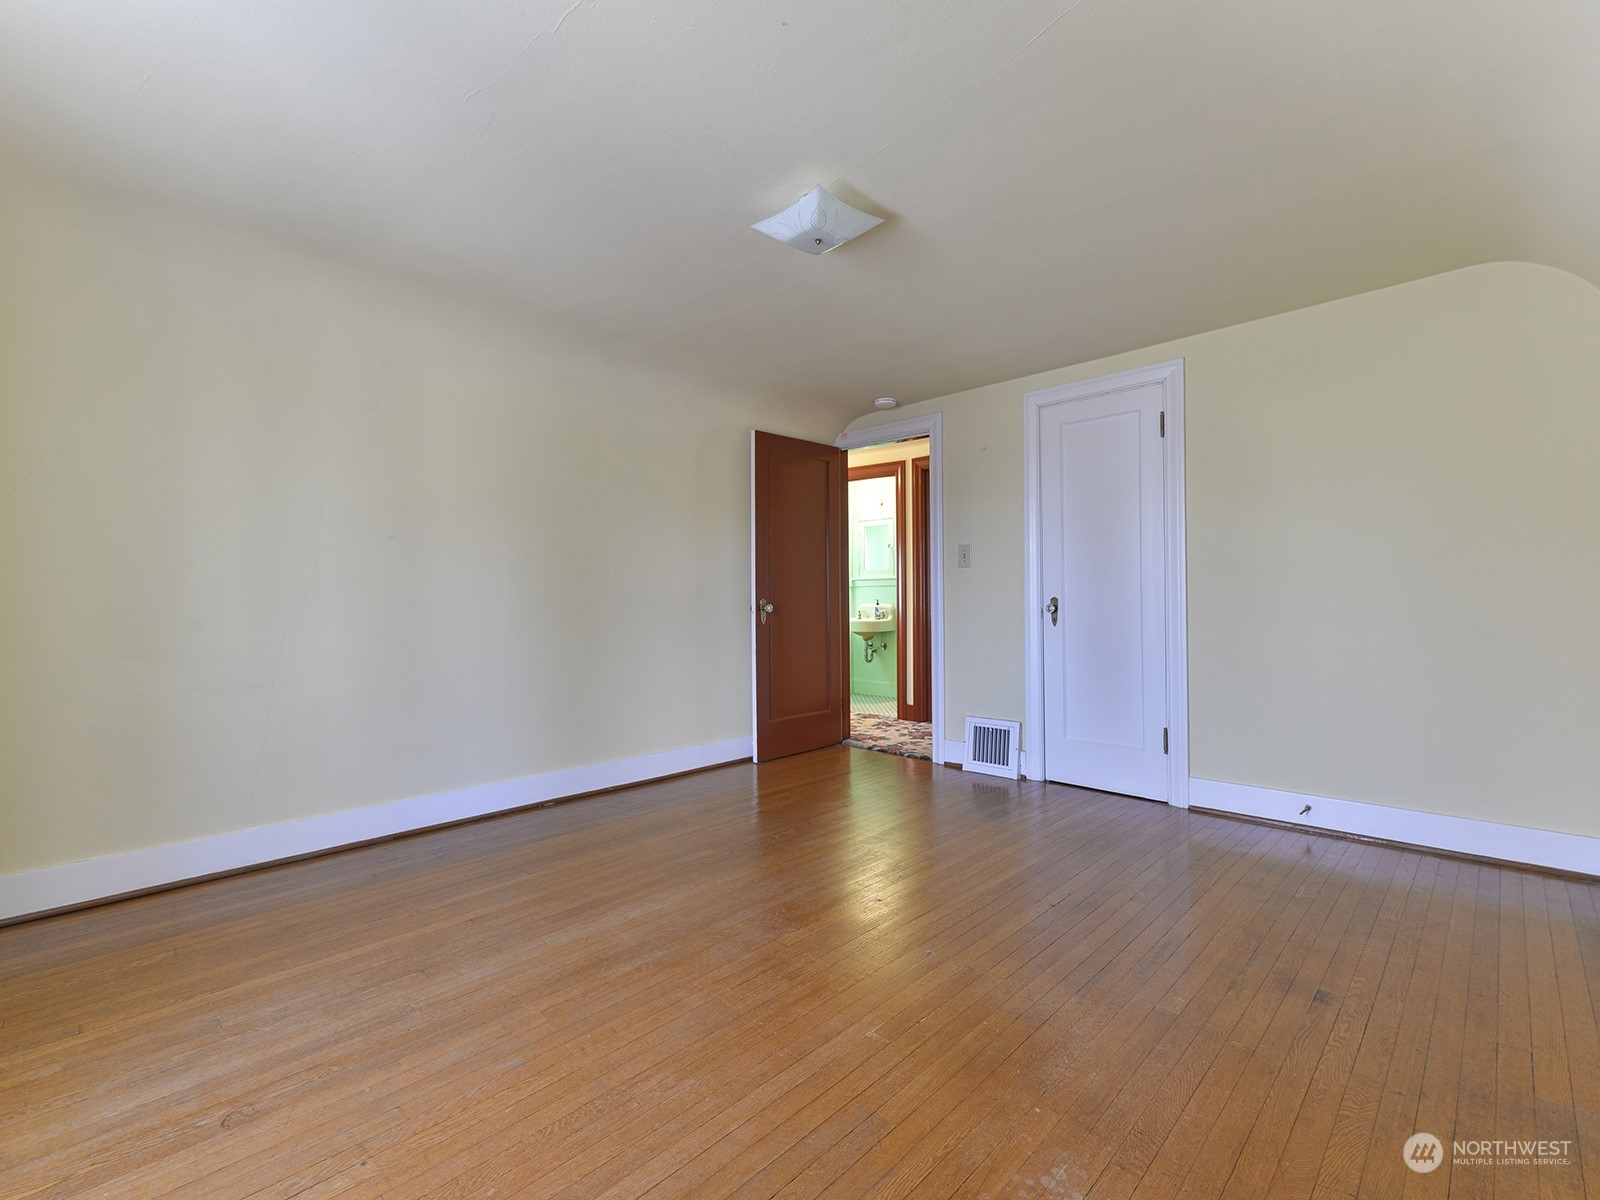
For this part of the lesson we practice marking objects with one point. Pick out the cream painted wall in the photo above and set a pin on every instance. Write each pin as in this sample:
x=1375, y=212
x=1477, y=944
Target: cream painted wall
x=279, y=538
x=1393, y=565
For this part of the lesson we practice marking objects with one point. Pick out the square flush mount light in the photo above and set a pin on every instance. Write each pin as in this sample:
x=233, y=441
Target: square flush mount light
x=817, y=222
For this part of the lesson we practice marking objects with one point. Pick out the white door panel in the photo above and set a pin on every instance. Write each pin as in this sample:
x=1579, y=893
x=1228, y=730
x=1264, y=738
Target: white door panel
x=1102, y=527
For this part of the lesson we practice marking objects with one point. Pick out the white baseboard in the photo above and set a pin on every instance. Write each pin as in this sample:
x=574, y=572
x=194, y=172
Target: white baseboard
x=954, y=750
x=47, y=888
x=1463, y=835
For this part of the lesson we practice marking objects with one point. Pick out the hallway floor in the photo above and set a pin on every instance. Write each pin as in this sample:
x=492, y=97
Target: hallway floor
x=874, y=725
x=878, y=706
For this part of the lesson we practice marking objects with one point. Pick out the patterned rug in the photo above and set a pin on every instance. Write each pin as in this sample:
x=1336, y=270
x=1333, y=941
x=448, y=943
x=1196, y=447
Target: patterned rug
x=908, y=739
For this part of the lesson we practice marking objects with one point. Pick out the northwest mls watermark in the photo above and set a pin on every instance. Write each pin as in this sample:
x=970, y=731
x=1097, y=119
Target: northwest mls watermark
x=1423, y=1153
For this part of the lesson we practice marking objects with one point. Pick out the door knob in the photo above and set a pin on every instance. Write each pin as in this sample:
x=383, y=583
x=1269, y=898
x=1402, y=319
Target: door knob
x=765, y=607
x=1053, y=608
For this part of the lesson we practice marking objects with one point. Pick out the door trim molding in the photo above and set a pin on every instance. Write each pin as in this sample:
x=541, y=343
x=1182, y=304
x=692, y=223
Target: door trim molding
x=930, y=426
x=895, y=469
x=1169, y=375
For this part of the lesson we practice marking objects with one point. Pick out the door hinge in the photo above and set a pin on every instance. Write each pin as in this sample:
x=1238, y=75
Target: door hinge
x=1164, y=742
x=1163, y=422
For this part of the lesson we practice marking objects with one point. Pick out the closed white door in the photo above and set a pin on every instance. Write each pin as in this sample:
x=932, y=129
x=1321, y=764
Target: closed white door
x=1102, y=562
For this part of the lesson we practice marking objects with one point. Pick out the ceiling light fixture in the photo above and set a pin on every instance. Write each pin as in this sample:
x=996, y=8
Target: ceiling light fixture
x=817, y=222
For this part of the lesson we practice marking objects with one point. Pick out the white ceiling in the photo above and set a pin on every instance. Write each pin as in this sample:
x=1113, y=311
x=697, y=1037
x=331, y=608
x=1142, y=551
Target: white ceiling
x=1063, y=180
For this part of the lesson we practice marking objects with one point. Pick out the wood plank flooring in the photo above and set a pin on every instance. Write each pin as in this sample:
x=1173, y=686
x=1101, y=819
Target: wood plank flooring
x=839, y=975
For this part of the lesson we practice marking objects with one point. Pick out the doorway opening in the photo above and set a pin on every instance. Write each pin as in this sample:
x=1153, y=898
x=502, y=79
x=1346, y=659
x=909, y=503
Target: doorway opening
x=800, y=636
x=889, y=604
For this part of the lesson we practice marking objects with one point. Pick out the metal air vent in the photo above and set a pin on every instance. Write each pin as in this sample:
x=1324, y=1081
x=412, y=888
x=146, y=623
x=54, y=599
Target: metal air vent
x=992, y=747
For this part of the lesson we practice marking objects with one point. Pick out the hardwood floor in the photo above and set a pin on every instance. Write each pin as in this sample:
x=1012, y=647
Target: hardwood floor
x=841, y=975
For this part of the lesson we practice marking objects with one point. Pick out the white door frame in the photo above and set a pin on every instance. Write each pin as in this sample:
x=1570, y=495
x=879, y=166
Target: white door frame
x=1169, y=375
x=931, y=427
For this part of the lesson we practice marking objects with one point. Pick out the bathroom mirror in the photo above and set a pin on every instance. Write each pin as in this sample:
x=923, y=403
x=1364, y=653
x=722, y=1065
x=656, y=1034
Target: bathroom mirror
x=873, y=529
x=876, y=546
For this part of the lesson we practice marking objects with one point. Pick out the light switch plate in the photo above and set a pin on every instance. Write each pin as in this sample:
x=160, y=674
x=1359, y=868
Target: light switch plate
x=964, y=555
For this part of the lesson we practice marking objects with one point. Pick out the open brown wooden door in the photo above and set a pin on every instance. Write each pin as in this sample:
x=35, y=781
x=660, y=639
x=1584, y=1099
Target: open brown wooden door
x=802, y=675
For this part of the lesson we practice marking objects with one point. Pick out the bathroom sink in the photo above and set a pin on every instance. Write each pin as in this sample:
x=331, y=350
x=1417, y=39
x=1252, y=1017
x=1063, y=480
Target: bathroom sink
x=867, y=625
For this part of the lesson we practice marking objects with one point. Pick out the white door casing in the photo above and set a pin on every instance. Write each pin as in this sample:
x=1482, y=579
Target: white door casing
x=1106, y=681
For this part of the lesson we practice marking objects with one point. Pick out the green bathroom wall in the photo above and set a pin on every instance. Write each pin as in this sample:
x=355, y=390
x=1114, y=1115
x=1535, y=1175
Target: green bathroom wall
x=878, y=677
